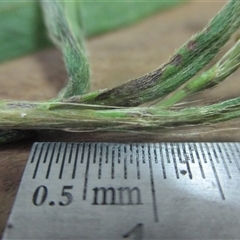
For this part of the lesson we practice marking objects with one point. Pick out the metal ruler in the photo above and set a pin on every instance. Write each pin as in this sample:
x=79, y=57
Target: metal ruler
x=132, y=191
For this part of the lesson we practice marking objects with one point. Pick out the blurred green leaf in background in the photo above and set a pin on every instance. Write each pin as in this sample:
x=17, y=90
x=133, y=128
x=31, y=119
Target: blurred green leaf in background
x=22, y=29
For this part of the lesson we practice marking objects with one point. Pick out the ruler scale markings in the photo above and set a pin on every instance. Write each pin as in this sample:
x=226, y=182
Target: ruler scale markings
x=67, y=153
x=210, y=157
x=220, y=155
x=196, y=154
x=225, y=151
x=203, y=155
x=155, y=210
x=95, y=153
x=152, y=151
x=149, y=153
x=143, y=154
x=236, y=147
x=110, y=154
x=63, y=161
x=33, y=152
x=113, y=161
x=75, y=161
x=190, y=152
x=139, y=149
x=178, y=150
x=100, y=161
x=166, y=148
x=88, y=148
x=83, y=152
x=205, y=196
x=155, y=153
x=179, y=158
x=125, y=161
x=119, y=154
x=47, y=144
x=131, y=153
x=70, y=147
x=230, y=152
x=106, y=152
x=174, y=160
x=162, y=161
x=237, y=157
x=179, y=153
x=58, y=153
x=115, y=153
x=214, y=153
x=137, y=160
x=186, y=157
x=50, y=160
x=38, y=161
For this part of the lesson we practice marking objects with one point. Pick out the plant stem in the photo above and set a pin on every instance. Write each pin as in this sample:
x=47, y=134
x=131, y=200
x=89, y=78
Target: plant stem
x=229, y=63
x=24, y=115
x=64, y=28
x=185, y=63
x=114, y=109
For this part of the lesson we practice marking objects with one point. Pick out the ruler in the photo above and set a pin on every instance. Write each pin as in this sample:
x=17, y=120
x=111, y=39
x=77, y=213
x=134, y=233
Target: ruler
x=128, y=191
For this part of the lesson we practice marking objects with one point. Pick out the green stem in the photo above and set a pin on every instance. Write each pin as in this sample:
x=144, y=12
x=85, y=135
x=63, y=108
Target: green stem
x=229, y=63
x=24, y=115
x=185, y=63
x=64, y=28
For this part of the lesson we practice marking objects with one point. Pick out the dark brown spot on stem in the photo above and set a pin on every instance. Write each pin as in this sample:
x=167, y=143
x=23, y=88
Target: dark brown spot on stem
x=128, y=93
x=192, y=45
x=176, y=60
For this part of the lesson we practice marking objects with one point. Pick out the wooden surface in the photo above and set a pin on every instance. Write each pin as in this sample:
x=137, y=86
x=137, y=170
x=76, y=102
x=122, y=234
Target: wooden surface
x=116, y=57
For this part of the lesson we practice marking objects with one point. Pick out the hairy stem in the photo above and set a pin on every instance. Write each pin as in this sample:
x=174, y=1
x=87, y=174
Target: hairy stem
x=65, y=29
x=185, y=63
x=24, y=115
x=229, y=63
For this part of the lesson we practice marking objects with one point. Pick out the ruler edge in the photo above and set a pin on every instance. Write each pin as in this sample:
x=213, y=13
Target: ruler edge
x=35, y=145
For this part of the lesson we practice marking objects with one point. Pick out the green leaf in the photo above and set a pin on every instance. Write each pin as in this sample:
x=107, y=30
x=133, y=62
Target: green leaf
x=22, y=29
x=102, y=16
